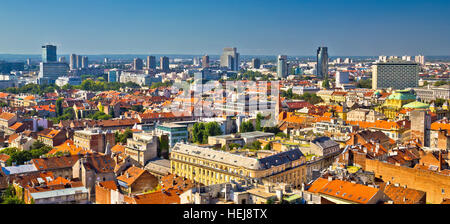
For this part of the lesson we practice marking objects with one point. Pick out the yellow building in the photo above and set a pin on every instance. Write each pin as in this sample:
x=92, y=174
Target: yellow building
x=395, y=102
x=208, y=166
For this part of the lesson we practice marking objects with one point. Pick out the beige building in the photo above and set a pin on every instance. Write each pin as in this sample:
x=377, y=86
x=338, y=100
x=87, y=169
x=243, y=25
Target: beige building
x=364, y=115
x=94, y=139
x=208, y=166
x=142, y=147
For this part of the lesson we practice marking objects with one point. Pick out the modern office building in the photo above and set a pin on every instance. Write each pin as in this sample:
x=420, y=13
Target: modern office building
x=138, y=64
x=164, y=63
x=113, y=75
x=71, y=80
x=176, y=132
x=230, y=59
x=50, y=71
x=322, y=62
x=342, y=78
x=73, y=62
x=84, y=62
x=49, y=53
x=62, y=59
x=396, y=74
x=282, y=67
x=151, y=62
x=79, y=61
x=205, y=61
x=256, y=63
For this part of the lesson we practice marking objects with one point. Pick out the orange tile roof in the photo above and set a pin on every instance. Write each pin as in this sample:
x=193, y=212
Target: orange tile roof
x=7, y=116
x=118, y=149
x=4, y=157
x=109, y=185
x=69, y=146
x=443, y=124
x=344, y=190
x=159, y=197
x=16, y=126
x=131, y=175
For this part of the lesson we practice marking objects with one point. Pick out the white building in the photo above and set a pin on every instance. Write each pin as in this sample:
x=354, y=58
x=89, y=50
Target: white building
x=395, y=74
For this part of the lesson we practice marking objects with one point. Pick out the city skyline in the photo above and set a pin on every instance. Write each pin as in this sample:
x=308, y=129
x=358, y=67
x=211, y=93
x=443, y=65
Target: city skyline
x=205, y=27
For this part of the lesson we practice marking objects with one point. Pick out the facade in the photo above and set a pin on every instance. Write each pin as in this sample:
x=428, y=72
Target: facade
x=151, y=62
x=142, y=147
x=230, y=59
x=342, y=78
x=71, y=80
x=205, y=61
x=140, y=79
x=50, y=71
x=395, y=74
x=73, y=62
x=208, y=166
x=176, y=132
x=282, y=67
x=84, y=62
x=138, y=64
x=94, y=140
x=164, y=64
x=256, y=63
x=52, y=137
x=49, y=53
x=113, y=76
x=322, y=62
x=431, y=93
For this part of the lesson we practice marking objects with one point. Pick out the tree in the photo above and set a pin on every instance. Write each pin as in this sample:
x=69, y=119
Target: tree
x=201, y=131
x=367, y=84
x=267, y=147
x=123, y=137
x=259, y=117
x=59, y=106
x=246, y=127
x=326, y=84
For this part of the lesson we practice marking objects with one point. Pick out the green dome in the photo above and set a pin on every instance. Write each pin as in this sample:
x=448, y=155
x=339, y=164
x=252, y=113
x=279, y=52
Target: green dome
x=402, y=95
x=417, y=105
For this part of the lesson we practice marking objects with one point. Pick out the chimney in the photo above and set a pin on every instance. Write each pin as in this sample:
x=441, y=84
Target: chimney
x=330, y=178
x=440, y=160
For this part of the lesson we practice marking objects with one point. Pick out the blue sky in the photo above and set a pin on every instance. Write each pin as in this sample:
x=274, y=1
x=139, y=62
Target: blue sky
x=255, y=27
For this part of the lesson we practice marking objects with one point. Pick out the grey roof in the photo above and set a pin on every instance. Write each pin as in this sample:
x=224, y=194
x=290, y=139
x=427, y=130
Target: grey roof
x=158, y=165
x=254, y=134
x=239, y=160
x=10, y=170
x=280, y=158
x=58, y=193
x=218, y=156
x=325, y=142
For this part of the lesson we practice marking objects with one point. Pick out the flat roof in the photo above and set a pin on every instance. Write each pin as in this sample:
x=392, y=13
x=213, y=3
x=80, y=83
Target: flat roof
x=58, y=193
x=9, y=170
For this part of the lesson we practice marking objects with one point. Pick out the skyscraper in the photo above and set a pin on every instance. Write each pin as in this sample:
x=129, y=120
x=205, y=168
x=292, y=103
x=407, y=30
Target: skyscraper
x=50, y=69
x=79, y=61
x=151, y=62
x=420, y=59
x=256, y=63
x=49, y=53
x=282, y=67
x=73, y=61
x=164, y=63
x=84, y=62
x=138, y=64
x=205, y=61
x=322, y=62
x=230, y=59
x=396, y=74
